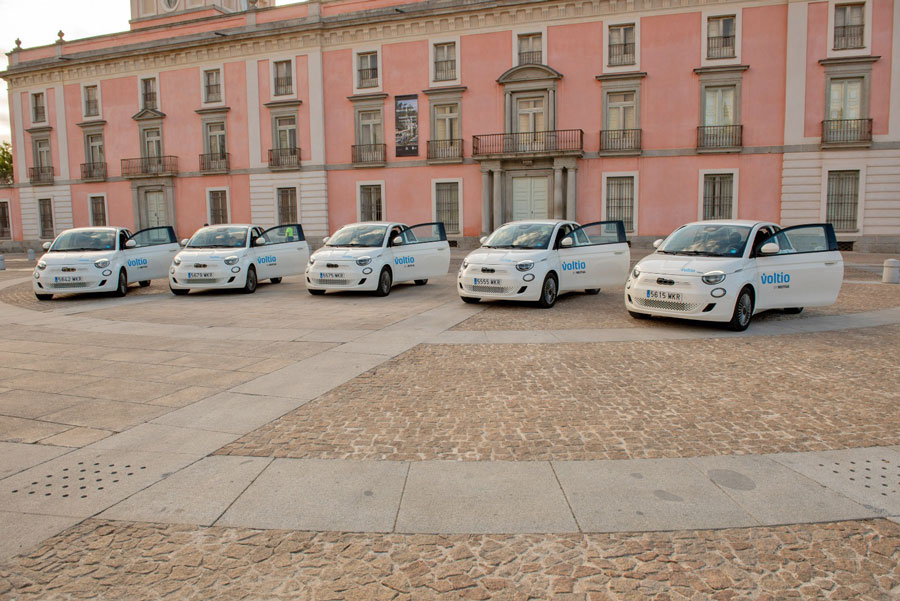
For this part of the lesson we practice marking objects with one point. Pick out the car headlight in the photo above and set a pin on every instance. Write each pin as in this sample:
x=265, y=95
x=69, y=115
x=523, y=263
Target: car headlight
x=524, y=265
x=312, y=260
x=232, y=260
x=176, y=261
x=713, y=277
x=101, y=263
x=362, y=261
x=465, y=263
x=635, y=272
x=41, y=265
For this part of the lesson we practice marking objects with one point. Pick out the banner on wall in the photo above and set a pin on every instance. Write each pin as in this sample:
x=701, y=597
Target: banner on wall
x=406, y=112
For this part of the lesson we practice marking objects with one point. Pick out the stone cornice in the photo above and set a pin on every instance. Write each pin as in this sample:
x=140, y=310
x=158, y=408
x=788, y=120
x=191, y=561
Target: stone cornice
x=364, y=97
x=848, y=60
x=283, y=103
x=720, y=69
x=445, y=90
x=212, y=110
x=626, y=75
x=40, y=129
x=94, y=123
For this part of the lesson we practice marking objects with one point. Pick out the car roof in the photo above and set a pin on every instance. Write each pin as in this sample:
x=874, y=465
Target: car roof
x=93, y=229
x=540, y=221
x=741, y=222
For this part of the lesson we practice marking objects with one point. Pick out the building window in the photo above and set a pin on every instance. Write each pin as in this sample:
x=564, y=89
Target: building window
x=215, y=139
x=42, y=157
x=212, y=86
x=370, y=208
x=45, y=209
x=446, y=205
x=94, y=146
x=5, y=227
x=530, y=115
x=98, y=211
x=218, y=207
x=284, y=80
x=620, y=201
x=719, y=106
x=530, y=49
x=38, y=108
x=91, y=101
x=445, y=61
x=286, y=132
x=620, y=112
x=287, y=205
x=367, y=64
x=170, y=4
x=720, y=37
x=845, y=99
x=148, y=93
x=446, y=122
x=370, y=131
x=849, y=26
x=718, y=196
x=621, y=45
x=152, y=146
x=843, y=200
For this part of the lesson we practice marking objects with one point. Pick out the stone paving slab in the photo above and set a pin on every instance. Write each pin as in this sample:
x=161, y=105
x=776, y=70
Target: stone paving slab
x=229, y=412
x=16, y=429
x=76, y=437
x=198, y=494
x=349, y=496
x=484, y=497
x=160, y=438
x=106, y=414
x=15, y=457
x=21, y=532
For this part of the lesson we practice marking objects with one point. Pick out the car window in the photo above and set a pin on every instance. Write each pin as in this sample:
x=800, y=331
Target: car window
x=219, y=237
x=359, y=235
x=801, y=239
x=84, y=240
x=521, y=235
x=707, y=239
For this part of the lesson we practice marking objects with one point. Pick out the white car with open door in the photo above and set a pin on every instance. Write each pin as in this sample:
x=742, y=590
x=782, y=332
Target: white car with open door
x=538, y=260
x=238, y=256
x=729, y=270
x=373, y=256
x=103, y=259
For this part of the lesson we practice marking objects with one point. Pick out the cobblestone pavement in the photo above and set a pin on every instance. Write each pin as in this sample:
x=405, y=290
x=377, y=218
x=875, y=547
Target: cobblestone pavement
x=604, y=401
x=22, y=295
x=99, y=560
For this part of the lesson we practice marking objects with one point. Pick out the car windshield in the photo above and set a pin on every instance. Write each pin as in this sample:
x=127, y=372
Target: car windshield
x=76, y=240
x=707, y=239
x=521, y=235
x=360, y=234
x=219, y=237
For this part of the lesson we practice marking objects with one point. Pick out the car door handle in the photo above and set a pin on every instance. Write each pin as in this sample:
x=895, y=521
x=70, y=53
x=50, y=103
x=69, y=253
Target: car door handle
x=620, y=252
x=831, y=262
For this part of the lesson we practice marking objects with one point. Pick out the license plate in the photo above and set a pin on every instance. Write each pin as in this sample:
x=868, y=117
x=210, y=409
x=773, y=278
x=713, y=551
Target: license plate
x=200, y=275
x=331, y=276
x=665, y=295
x=68, y=278
x=487, y=282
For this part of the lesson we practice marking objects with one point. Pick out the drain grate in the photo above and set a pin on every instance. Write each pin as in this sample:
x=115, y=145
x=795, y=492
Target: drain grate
x=879, y=476
x=79, y=481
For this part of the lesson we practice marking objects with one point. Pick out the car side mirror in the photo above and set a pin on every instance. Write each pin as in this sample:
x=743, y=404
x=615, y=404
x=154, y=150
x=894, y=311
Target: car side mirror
x=130, y=243
x=482, y=240
x=184, y=242
x=260, y=241
x=656, y=243
x=566, y=242
x=46, y=245
x=326, y=239
x=397, y=241
x=769, y=248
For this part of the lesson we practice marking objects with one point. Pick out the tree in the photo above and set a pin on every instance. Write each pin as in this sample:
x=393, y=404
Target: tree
x=6, y=163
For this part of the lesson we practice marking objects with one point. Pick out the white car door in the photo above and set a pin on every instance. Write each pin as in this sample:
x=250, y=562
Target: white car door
x=593, y=256
x=427, y=244
x=152, y=253
x=287, y=245
x=806, y=271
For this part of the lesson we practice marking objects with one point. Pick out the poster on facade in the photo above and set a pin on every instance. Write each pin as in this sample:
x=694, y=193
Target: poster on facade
x=406, y=111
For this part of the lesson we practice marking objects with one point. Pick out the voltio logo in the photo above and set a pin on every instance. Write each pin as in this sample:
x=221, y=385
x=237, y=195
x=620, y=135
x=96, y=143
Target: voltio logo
x=404, y=260
x=573, y=265
x=776, y=278
x=267, y=260
x=139, y=262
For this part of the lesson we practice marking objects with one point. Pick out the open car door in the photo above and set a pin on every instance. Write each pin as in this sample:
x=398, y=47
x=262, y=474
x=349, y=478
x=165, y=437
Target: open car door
x=426, y=244
x=152, y=253
x=594, y=256
x=286, y=251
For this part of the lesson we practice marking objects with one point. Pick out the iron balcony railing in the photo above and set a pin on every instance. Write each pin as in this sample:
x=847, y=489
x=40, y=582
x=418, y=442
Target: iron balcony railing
x=532, y=57
x=848, y=36
x=846, y=131
x=91, y=108
x=621, y=54
x=620, y=140
x=149, y=100
x=445, y=149
x=145, y=166
x=720, y=136
x=213, y=92
x=93, y=170
x=368, y=78
x=560, y=140
x=720, y=46
x=444, y=70
x=40, y=175
x=216, y=161
x=39, y=114
x=284, y=157
x=368, y=153
x=284, y=86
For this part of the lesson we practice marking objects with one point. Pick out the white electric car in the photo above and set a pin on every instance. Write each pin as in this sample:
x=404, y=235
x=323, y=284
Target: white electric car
x=373, y=255
x=538, y=260
x=103, y=259
x=238, y=256
x=729, y=270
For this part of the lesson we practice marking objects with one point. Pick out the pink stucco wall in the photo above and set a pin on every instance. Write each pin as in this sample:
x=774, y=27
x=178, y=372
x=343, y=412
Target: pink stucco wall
x=816, y=48
x=764, y=48
x=880, y=96
x=579, y=88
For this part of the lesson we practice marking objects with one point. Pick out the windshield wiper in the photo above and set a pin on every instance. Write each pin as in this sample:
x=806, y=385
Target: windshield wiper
x=70, y=250
x=213, y=246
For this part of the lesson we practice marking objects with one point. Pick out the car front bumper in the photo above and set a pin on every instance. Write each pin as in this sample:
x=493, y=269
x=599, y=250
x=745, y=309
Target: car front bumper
x=81, y=281
x=341, y=276
x=501, y=283
x=214, y=276
x=696, y=300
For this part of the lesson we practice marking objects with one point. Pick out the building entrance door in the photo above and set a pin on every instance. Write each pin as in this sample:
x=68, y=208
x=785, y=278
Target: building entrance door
x=530, y=197
x=154, y=209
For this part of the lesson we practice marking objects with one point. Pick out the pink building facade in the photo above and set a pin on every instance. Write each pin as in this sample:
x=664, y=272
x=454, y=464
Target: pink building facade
x=473, y=113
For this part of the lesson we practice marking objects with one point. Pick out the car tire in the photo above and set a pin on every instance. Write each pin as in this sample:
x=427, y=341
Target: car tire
x=549, y=292
x=385, y=281
x=637, y=315
x=592, y=291
x=144, y=283
x=251, y=282
x=43, y=297
x=315, y=292
x=122, y=287
x=421, y=282
x=178, y=291
x=470, y=299
x=275, y=280
x=793, y=310
x=743, y=311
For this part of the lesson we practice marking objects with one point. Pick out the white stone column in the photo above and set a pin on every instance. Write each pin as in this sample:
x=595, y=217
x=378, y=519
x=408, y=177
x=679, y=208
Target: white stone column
x=485, y=201
x=558, y=208
x=571, y=193
x=498, y=199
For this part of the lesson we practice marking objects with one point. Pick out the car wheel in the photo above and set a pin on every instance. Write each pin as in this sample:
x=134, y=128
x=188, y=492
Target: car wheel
x=178, y=291
x=793, y=310
x=43, y=297
x=549, y=291
x=250, y=283
x=275, y=280
x=144, y=283
x=637, y=315
x=421, y=282
x=592, y=291
x=385, y=280
x=743, y=311
x=315, y=292
x=122, y=288
x=470, y=299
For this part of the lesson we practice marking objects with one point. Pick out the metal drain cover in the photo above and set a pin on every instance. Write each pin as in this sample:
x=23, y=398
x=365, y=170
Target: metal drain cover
x=79, y=480
x=880, y=476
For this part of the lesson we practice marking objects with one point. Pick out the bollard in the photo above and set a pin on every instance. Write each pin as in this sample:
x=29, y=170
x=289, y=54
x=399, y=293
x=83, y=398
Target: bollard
x=891, y=271
x=2, y=262
x=31, y=254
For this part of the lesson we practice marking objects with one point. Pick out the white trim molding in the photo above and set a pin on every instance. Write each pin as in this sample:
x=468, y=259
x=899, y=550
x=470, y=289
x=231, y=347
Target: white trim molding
x=516, y=32
x=459, y=199
x=838, y=164
x=359, y=185
x=99, y=115
x=277, y=59
x=735, y=189
x=432, y=83
x=227, y=203
x=355, y=74
x=633, y=20
x=634, y=209
x=830, y=52
x=140, y=78
x=203, y=70
x=737, y=13
x=90, y=208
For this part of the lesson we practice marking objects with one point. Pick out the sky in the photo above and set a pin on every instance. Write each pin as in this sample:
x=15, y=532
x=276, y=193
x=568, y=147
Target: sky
x=36, y=23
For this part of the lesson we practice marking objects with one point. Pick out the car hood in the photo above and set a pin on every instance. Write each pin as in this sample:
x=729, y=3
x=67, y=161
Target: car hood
x=346, y=254
x=505, y=256
x=210, y=254
x=688, y=266
x=77, y=258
